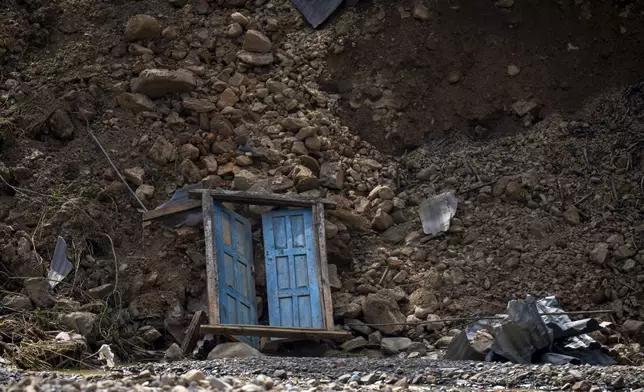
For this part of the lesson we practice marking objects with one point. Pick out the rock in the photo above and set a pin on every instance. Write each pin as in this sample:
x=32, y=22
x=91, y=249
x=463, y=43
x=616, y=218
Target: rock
x=155, y=83
x=239, y=18
x=423, y=298
x=223, y=146
x=313, y=143
x=380, y=309
x=39, y=291
x=629, y=265
x=571, y=216
x=134, y=175
x=299, y=148
x=330, y=229
x=135, y=103
x=394, y=346
x=244, y=180
x=173, y=353
x=633, y=327
x=189, y=151
x=83, y=323
x=210, y=162
x=382, y=221
x=304, y=133
x=150, y=334
x=334, y=278
x=332, y=175
x=60, y=125
x=162, y=151
x=514, y=191
x=400, y=277
x=256, y=41
x=16, y=302
x=624, y=252
x=581, y=386
x=234, y=30
x=144, y=192
x=358, y=326
x=385, y=193
x=227, y=98
x=193, y=375
x=375, y=338
x=243, y=161
x=198, y=105
x=142, y=27
x=189, y=171
x=257, y=59
x=101, y=291
x=354, y=344
x=521, y=108
x=513, y=70
x=443, y=342
x=435, y=323
x=421, y=12
x=599, y=253
x=294, y=124
x=304, y=179
x=233, y=350
x=369, y=378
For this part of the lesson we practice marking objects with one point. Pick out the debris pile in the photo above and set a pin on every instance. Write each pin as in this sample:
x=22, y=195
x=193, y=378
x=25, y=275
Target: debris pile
x=532, y=331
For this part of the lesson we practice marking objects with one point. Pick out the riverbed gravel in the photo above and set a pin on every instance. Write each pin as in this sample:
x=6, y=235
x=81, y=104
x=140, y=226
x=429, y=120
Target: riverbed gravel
x=328, y=374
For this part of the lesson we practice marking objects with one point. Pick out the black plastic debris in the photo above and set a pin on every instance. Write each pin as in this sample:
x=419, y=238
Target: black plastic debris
x=317, y=11
x=530, y=333
x=60, y=265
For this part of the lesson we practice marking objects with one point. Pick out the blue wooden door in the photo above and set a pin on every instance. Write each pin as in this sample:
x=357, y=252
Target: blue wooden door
x=233, y=241
x=291, y=269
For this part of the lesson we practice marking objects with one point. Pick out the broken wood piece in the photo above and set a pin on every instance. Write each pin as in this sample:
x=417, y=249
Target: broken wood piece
x=190, y=339
x=180, y=207
x=212, y=270
x=274, y=332
x=327, y=302
x=257, y=198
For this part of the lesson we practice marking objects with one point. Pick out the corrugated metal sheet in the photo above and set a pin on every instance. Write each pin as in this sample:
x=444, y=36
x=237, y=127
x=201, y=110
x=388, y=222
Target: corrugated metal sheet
x=316, y=11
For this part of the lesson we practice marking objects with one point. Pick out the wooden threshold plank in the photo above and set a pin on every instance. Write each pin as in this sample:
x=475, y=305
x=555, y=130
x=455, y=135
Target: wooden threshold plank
x=180, y=207
x=274, y=332
x=257, y=198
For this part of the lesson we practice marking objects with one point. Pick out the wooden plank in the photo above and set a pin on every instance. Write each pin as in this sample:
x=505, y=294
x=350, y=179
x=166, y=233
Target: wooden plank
x=180, y=207
x=327, y=302
x=275, y=332
x=257, y=198
x=212, y=272
x=190, y=340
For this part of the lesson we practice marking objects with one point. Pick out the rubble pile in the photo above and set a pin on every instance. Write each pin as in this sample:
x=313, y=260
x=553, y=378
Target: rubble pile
x=230, y=95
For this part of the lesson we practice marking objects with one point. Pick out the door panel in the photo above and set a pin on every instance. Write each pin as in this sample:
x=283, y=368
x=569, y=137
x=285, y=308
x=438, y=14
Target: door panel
x=233, y=240
x=291, y=269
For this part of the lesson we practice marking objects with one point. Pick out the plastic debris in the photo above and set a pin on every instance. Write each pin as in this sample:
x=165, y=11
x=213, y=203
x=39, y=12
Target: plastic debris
x=437, y=212
x=529, y=333
x=105, y=354
x=191, y=217
x=60, y=265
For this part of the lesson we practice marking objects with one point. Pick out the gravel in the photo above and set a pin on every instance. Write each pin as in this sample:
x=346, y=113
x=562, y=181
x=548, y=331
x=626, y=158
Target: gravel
x=323, y=374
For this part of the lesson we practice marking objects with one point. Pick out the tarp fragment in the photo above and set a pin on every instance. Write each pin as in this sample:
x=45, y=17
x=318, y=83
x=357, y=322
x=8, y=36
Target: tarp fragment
x=60, y=265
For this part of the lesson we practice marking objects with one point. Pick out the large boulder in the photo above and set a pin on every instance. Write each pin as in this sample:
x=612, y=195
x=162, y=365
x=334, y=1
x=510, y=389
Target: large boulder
x=142, y=27
x=155, y=83
x=383, y=309
x=233, y=350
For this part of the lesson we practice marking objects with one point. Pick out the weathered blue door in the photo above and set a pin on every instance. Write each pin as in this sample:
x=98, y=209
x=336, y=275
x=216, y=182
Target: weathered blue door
x=291, y=269
x=233, y=241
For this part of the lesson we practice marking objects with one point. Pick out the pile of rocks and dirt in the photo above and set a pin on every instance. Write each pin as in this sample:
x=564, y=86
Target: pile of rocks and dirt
x=244, y=95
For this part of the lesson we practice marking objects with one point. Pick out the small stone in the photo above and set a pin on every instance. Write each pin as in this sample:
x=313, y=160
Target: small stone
x=228, y=98
x=369, y=378
x=194, y=375
x=234, y=30
x=633, y=327
x=198, y=105
x=210, y=162
x=142, y=27
x=239, y=18
x=381, y=221
x=581, y=386
x=101, y=291
x=299, y=148
x=174, y=353
x=304, y=179
x=375, y=338
x=629, y=265
x=39, y=291
x=189, y=151
x=332, y=175
x=243, y=160
x=134, y=175
x=256, y=41
x=395, y=346
x=156, y=83
x=150, y=334
x=258, y=59
x=454, y=77
x=513, y=70
x=421, y=12
x=189, y=171
x=233, y=350
x=571, y=216
x=599, y=253
x=83, y=323
x=244, y=180
x=313, y=143
x=16, y=302
x=443, y=342
x=400, y=277
x=294, y=124
x=354, y=344
x=135, y=103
